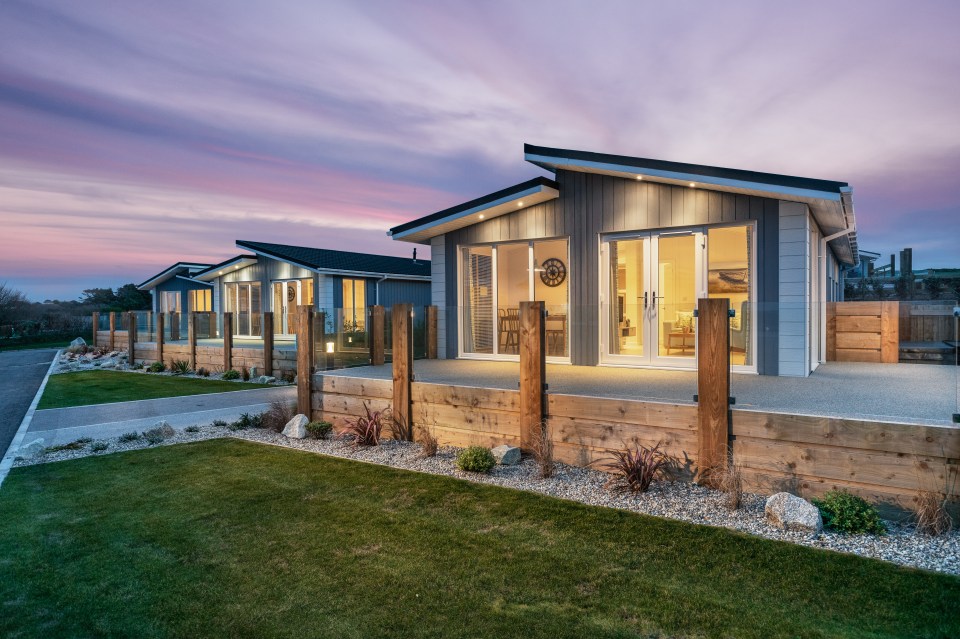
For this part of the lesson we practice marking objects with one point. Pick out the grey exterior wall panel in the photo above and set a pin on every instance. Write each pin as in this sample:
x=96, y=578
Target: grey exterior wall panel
x=591, y=205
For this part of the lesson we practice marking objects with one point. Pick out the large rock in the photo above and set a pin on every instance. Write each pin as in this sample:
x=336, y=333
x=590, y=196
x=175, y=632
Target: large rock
x=77, y=343
x=506, y=455
x=266, y=379
x=161, y=428
x=108, y=364
x=296, y=428
x=789, y=512
x=32, y=449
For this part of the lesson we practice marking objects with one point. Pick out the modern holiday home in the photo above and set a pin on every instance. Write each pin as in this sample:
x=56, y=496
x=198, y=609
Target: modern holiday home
x=620, y=249
x=175, y=291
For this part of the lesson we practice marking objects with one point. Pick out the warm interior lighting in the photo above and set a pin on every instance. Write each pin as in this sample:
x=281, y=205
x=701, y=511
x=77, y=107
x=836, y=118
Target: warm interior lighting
x=329, y=347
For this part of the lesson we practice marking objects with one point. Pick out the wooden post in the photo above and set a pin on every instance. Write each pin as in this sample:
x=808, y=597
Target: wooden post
x=304, y=357
x=321, y=337
x=890, y=332
x=192, y=320
x=227, y=341
x=402, y=363
x=96, y=325
x=174, y=327
x=160, y=319
x=268, y=343
x=533, y=371
x=131, y=337
x=831, y=353
x=431, y=325
x=713, y=385
x=113, y=331
x=376, y=336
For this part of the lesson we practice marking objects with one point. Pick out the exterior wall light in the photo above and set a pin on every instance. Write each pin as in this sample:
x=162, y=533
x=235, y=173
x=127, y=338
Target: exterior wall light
x=329, y=347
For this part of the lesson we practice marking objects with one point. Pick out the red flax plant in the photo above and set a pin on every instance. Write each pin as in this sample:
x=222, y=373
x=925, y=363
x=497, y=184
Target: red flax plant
x=365, y=430
x=640, y=465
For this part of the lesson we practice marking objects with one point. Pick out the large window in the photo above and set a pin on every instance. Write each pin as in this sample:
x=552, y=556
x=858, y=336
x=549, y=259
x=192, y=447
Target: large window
x=170, y=302
x=354, y=305
x=495, y=279
x=730, y=270
x=243, y=300
x=287, y=296
x=200, y=301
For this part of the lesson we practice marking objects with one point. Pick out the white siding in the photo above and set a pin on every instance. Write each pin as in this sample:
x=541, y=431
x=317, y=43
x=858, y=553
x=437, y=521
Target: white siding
x=324, y=293
x=794, y=345
x=438, y=293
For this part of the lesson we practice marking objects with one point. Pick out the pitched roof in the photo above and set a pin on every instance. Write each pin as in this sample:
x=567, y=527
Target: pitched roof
x=180, y=268
x=341, y=261
x=237, y=261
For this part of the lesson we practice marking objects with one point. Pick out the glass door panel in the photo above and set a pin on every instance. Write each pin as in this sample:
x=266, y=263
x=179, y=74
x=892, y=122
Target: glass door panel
x=290, y=298
x=730, y=275
x=674, y=297
x=476, y=296
x=628, y=297
x=279, y=311
x=551, y=285
x=513, y=287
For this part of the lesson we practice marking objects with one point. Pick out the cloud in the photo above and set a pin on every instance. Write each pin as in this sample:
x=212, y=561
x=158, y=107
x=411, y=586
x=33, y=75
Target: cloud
x=192, y=124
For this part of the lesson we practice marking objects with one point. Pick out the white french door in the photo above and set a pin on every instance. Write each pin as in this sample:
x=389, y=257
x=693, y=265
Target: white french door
x=651, y=283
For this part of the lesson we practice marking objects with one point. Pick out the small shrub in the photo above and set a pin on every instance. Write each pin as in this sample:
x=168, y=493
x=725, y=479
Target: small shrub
x=230, y=375
x=319, y=430
x=931, y=514
x=847, y=513
x=245, y=373
x=219, y=423
x=74, y=445
x=639, y=466
x=729, y=480
x=99, y=447
x=138, y=366
x=428, y=442
x=279, y=413
x=153, y=436
x=288, y=377
x=157, y=367
x=365, y=430
x=192, y=429
x=180, y=367
x=83, y=440
x=400, y=428
x=203, y=372
x=476, y=459
x=129, y=437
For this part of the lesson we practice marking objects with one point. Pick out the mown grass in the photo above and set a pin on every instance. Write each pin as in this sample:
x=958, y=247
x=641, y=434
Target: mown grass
x=232, y=538
x=101, y=387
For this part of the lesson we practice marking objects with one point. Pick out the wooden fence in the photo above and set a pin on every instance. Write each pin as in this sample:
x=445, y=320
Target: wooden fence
x=886, y=463
x=928, y=322
x=863, y=332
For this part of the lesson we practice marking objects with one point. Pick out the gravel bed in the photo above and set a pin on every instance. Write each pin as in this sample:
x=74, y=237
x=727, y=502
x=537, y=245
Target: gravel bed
x=681, y=500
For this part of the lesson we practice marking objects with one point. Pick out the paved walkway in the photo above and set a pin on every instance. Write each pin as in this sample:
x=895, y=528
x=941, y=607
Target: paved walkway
x=21, y=373
x=62, y=425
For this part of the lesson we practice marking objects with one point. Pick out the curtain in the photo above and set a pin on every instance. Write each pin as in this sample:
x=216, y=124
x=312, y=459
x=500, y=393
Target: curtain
x=615, y=309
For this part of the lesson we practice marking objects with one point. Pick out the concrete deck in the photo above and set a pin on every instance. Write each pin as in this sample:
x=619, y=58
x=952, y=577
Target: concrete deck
x=885, y=392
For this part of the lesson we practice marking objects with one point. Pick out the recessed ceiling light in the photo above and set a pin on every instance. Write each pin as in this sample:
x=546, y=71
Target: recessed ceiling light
x=520, y=203
x=481, y=216
x=220, y=273
x=692, y=185
x=639, y=177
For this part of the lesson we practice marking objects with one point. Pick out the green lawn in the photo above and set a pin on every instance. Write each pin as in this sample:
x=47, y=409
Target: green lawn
x=101, y=387
x=232, y=538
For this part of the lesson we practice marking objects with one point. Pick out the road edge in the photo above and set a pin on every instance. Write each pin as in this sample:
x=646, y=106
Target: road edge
x=7, y=462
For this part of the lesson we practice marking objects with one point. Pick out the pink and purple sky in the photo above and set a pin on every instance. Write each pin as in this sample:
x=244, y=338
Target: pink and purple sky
x=134, y=135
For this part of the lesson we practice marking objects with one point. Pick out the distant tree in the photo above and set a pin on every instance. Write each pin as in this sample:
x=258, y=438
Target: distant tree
x=934, y=286
x=130, y=298
x=849, y=291
x=862, y=288
x=100, y=298
x=13, y=304
x=876, y=285
x=953, y=286
x=905, y=286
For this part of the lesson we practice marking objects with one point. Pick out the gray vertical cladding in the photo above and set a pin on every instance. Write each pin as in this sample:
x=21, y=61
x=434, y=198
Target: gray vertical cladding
x=591, y=205
x=265, y=271
x=175, y=284
x=390, y=292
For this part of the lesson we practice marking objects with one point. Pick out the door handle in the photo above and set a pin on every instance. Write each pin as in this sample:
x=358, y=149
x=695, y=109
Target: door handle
x=644, y=299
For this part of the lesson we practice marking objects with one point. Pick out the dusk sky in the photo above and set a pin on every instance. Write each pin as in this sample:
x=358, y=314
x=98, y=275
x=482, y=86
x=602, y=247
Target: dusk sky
x=134, y=134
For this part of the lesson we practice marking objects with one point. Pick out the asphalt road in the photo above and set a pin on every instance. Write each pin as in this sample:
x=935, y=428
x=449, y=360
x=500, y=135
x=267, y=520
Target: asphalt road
x=21, y=373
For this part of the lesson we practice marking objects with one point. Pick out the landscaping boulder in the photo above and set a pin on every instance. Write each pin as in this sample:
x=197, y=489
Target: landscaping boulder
x=506, y=455
x=108, y=364
x=789, y=512
x=33, y=449
x=296, y=428
x=77, y=343
x=266, y=379
x=164, y=429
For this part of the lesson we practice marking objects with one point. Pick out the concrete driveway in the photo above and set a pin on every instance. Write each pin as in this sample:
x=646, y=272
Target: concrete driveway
x=21, y=373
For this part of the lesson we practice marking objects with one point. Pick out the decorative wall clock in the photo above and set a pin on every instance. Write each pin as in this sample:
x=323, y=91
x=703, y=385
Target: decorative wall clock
x=553, y=272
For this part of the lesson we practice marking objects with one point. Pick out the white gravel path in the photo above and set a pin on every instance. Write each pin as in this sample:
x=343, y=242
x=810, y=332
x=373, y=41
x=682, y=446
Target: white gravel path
x=681, y=501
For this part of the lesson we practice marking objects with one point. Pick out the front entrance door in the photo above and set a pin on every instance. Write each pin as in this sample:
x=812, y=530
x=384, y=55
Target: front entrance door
x=651, y=285
x=286, y=299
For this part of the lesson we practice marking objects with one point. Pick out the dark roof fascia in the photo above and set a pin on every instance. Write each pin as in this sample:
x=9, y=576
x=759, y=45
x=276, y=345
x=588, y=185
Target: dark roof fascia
x=192, y=281
x=226, y=262
x=740, y=175
x=478, y=202
x=178, y=265
x=257, y=248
